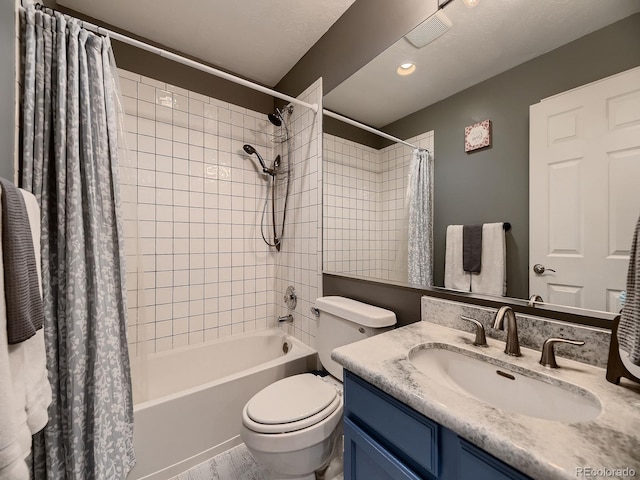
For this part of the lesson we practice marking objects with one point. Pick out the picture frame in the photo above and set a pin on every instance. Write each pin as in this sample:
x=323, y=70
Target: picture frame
x=477, y=136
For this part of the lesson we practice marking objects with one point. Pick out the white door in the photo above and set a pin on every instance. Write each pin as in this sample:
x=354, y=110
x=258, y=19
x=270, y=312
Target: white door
x=584, y=168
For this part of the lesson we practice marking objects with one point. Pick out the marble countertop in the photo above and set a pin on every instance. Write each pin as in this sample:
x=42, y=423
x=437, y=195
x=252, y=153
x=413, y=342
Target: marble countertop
x=542, y=449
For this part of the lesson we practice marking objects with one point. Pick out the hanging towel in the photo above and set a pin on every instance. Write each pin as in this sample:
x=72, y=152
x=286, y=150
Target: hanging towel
x=472, y=248
x=22, y=291
x=629, y=326
x=492, y=280
x=36, y=376
x=454, y=275
x=15, y=435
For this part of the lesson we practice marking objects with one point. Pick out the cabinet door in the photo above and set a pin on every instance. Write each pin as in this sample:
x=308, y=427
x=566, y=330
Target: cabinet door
x=476, y=464
x=408, y=435
x=366, y=459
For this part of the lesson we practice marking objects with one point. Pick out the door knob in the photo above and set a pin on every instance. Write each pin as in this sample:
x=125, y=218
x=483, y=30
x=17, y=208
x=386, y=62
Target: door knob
x=539, y=269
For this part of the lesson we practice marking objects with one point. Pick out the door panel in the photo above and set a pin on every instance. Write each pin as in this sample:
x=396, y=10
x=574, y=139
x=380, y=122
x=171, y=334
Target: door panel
x=585, y=170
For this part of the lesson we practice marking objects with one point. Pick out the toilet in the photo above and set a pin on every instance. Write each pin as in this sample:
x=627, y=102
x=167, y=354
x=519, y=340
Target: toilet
x=294, y=426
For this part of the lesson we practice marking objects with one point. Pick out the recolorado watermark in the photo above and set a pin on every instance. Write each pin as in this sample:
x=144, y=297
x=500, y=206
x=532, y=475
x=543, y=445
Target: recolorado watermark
x=605, y=472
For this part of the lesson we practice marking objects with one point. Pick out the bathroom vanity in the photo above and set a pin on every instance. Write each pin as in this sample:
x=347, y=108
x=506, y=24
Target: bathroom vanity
x=385, y=439
x=406, y=419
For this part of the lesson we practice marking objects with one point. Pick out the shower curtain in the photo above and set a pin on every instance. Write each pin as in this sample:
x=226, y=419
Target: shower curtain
x=70, y=162
x=419, y=207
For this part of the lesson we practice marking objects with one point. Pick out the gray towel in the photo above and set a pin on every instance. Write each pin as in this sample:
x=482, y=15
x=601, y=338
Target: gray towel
x=22, y=291
x=472, y=248
x=629, y=326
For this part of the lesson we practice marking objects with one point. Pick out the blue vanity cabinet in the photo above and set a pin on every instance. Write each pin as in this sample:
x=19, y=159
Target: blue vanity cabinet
x=386, y=440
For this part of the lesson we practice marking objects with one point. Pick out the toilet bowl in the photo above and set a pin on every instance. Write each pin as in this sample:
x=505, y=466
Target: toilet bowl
x=294, y=426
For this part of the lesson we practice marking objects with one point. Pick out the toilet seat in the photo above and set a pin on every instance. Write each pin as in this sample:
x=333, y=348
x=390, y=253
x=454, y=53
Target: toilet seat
x=291, y=404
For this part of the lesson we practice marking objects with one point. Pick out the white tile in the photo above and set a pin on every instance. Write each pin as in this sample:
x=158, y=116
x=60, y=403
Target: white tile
x=164, y=114
x=164, y=147
x=180, y=340
x=198, y=96
x=146, y=93
x=196, y=107
x=180, y=134
x=210, y=112
x=146, y=127
x=146, y=144
x=129, y=87
x=180, y=103
x=153, y=82
x=129, y=75
x=164, y=98
x=180, y=325
x=179, y=90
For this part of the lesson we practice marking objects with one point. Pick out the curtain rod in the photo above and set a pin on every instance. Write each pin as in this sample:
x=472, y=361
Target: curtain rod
x=344, y=119
x=191, y=63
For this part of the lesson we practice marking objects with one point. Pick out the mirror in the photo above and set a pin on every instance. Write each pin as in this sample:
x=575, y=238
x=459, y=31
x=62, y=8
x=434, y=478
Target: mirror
x=538, y=53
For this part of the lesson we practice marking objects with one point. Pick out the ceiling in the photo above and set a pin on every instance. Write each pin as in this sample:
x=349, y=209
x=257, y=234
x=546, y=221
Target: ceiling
x=262, y=40
x=484, y=41
x=259, y=40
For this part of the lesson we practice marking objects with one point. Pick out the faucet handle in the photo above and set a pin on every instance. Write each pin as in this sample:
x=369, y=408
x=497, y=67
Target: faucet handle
x=548, y=358
x=481, y=339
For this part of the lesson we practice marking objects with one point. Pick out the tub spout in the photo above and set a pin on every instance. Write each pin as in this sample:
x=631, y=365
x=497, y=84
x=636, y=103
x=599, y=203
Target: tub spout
x=286, y=318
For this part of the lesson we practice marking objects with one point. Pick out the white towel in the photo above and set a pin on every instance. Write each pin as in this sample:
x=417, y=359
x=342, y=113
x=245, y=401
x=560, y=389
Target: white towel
x=25, y=392
x=14, y=433
x=37, y=387
x=454, y=275
x=492, y=279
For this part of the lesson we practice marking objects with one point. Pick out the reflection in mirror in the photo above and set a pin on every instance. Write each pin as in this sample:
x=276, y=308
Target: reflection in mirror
x=364, y=224
x=490, y=184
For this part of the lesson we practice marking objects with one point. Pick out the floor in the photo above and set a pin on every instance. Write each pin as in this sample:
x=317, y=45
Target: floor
x=234, y=464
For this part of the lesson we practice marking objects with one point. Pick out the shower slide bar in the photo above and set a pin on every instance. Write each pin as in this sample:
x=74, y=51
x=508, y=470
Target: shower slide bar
x=193, y=64
x=344, y=119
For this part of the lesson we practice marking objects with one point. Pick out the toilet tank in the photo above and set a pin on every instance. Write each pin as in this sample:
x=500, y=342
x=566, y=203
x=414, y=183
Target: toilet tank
x=343, y=321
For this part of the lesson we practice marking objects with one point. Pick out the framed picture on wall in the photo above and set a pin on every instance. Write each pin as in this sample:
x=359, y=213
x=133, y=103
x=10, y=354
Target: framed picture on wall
x=477, y=136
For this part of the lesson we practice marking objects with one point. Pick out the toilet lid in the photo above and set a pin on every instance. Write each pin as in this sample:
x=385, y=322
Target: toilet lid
x=291, y=399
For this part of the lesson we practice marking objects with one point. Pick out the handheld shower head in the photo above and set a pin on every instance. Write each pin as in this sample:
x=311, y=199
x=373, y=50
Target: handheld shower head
x=250, y=150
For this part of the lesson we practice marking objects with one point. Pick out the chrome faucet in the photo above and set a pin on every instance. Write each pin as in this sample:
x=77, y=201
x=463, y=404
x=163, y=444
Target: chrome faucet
x=548, y=358
x=481, y=339
x=286, y=318
x=513, y=345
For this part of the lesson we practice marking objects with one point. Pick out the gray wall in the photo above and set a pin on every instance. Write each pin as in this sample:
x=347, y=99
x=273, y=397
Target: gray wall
x=493, y=184
x=366, y=29
x=7, y=88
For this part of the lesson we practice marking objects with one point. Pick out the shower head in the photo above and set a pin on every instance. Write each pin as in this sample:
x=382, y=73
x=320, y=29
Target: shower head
x=250, y=150
x=275, y=118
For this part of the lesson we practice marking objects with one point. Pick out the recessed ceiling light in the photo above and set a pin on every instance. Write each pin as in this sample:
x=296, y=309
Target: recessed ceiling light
x=471, y=3
x=406, y=68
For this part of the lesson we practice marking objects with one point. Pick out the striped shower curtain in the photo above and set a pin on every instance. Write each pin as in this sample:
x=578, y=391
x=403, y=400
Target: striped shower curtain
x=70, y=162
x=419, y=207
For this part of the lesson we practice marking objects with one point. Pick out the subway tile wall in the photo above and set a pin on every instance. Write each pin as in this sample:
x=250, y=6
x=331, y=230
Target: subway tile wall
x=300, y=261
x=197, y=268
x=364, y=207
x=352, y=211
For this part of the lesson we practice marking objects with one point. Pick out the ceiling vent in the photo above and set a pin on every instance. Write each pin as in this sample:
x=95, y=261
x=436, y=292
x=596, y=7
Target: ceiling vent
x=429, y=30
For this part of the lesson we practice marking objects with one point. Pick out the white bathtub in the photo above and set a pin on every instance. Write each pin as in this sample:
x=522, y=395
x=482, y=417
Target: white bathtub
x=195, y=397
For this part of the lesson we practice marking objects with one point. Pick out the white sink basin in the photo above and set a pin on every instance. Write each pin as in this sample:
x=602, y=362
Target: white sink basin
x=495, y=383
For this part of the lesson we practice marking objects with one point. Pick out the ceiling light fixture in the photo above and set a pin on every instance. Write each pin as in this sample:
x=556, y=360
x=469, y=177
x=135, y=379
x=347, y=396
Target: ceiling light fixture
x=406, y=68
x=471, y=3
